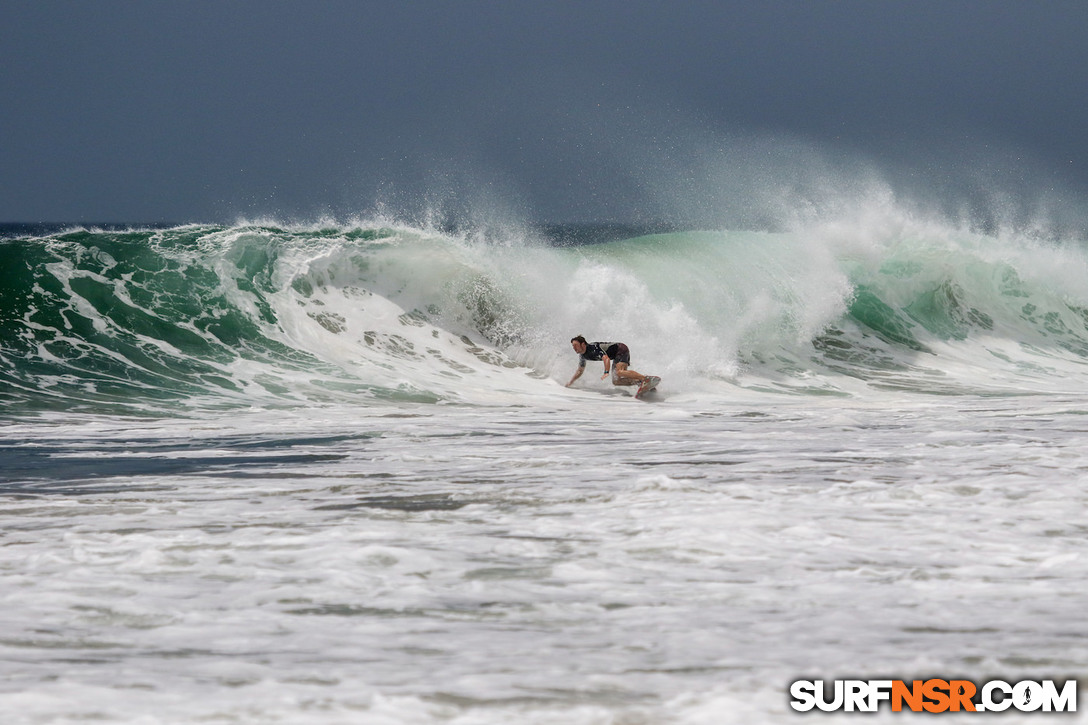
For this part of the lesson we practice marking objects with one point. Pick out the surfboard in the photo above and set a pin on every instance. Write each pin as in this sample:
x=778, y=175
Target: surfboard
x=650, y=384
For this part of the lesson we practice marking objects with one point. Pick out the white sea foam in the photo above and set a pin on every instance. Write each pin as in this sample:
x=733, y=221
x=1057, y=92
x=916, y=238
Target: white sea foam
x=597, y=561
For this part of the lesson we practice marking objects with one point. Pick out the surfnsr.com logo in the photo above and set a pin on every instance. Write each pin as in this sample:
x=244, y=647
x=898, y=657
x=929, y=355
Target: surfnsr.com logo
x=933, y=695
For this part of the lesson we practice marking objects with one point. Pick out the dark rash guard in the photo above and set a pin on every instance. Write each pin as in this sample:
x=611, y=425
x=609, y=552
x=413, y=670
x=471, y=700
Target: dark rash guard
x=616, y=352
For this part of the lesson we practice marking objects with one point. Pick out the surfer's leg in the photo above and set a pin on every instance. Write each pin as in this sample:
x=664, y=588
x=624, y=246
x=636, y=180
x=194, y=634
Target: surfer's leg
x=621, y=375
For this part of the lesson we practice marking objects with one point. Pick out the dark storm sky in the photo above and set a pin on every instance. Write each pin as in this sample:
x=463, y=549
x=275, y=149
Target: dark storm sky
x=623, y=109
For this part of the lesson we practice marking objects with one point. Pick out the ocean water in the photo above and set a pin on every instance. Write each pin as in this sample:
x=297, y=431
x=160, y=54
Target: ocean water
x=331, y=473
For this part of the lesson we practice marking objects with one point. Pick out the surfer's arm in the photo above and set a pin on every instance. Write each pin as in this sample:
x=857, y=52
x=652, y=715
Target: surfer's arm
x=577, y=373
x=607, y=366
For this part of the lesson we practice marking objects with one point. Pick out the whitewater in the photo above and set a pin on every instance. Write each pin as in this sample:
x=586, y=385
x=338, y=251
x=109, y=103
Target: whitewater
x=330, y=473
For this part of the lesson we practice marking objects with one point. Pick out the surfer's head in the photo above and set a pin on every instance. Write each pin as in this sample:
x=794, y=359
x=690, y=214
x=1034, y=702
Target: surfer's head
x=579, y=344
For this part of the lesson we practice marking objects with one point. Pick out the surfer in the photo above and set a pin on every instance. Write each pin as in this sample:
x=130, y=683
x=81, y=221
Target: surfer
x=615, y=355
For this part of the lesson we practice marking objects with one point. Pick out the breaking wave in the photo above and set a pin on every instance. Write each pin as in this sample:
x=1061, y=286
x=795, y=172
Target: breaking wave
x=159, y=321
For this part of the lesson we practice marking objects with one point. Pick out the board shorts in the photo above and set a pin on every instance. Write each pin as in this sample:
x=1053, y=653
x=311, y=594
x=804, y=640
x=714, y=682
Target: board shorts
x=618, y=353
